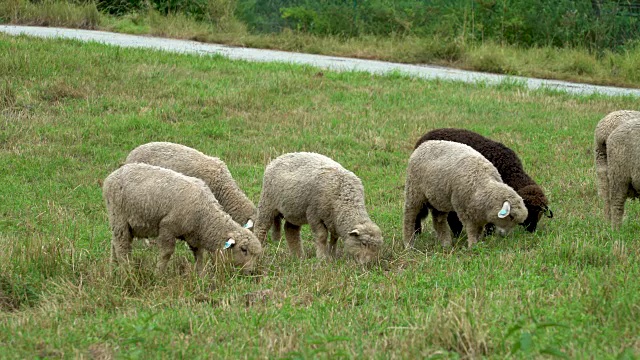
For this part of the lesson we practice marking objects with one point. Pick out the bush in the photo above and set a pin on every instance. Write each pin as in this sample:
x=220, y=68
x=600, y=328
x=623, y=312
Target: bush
x=487, y=59
x=199, y=9
x=50, y=13
x=121, y=7
x=594, y=24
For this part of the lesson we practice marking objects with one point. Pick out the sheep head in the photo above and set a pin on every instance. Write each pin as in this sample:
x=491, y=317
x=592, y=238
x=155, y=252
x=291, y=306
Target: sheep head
x=537, y=206
x=507, y=212
x=245, y=248
x=363, y=242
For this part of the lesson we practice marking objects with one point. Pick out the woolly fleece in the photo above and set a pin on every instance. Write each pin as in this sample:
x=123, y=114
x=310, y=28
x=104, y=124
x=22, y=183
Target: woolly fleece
x=149, y=201
x=509, y=167
x=623, y=168
x=604, y=128
x=448, y=176
x=211, y=170
x=308, y=188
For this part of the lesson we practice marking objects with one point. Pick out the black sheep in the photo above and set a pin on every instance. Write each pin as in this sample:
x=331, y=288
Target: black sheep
x=508, y=165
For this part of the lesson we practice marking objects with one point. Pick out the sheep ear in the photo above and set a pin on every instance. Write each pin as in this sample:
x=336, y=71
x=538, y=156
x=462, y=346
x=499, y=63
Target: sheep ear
x=249, y=224
x=355, y=232
x=548, y=213
x=506, y=209
x=229, y=244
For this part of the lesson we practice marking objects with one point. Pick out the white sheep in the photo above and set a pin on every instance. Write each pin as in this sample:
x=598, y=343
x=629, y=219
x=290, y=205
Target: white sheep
x=309, y=188
x=604, y=128
x=623, y=168
x=149, y=201
x=449, y=176
x=211, y=170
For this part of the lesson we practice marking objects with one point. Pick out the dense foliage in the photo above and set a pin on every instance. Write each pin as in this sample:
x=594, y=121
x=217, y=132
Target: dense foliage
x=596, y=24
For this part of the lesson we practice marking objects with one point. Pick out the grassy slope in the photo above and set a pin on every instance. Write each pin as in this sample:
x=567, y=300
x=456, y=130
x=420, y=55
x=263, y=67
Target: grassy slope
x=606, y=68
x=70, y=112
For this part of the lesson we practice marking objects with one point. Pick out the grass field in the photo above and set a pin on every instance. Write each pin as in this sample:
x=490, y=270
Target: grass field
x=70, y=112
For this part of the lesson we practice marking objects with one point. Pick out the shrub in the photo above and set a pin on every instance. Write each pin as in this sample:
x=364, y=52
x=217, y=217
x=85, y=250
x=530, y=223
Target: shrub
x=594, y=24
x=50, y=13
x=487, y=58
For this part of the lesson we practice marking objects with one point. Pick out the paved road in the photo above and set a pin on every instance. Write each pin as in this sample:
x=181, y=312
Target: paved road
x=321, y=61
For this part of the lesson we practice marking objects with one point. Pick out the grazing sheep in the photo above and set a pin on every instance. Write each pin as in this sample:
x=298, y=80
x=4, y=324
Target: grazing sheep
x=211, y=170
x=604, y=128
x=623, y=169
x=309, y=188
x=510, y=169
x=149, y=201
x=445, y=176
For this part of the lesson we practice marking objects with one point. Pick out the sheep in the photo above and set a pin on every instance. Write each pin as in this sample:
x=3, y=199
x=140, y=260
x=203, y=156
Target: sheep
x=212, y=170
x=623, y=168
x=149, y=201
x=446, y=176
x=510, y=169
x=309, y=188
x=603, y=130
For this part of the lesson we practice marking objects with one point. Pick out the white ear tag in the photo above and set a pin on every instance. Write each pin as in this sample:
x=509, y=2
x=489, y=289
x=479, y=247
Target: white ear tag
x=249, y=224
x=506, y=209
x=229, y=243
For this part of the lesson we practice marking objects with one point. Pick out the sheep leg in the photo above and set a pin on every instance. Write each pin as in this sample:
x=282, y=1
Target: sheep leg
x=474, y=233
x=276, y=233
x=333, y=242
x=442, y=228
x=167, y=245
x=413, y=204
x=602, y=178
x=617, y=196
x=604, y=188
x=455, y=224
x=424, y=212
x=292, y=234
x=263, y=222
x=121, y=242
x=198, y=254
x=321, y=235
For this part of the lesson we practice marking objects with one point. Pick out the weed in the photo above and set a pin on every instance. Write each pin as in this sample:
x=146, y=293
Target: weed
x=487, y=59
x=7, y=96
x=531, y=336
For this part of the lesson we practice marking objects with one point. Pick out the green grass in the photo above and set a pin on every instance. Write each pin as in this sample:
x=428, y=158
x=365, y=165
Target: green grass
x=572, y=64
x=70, y=112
